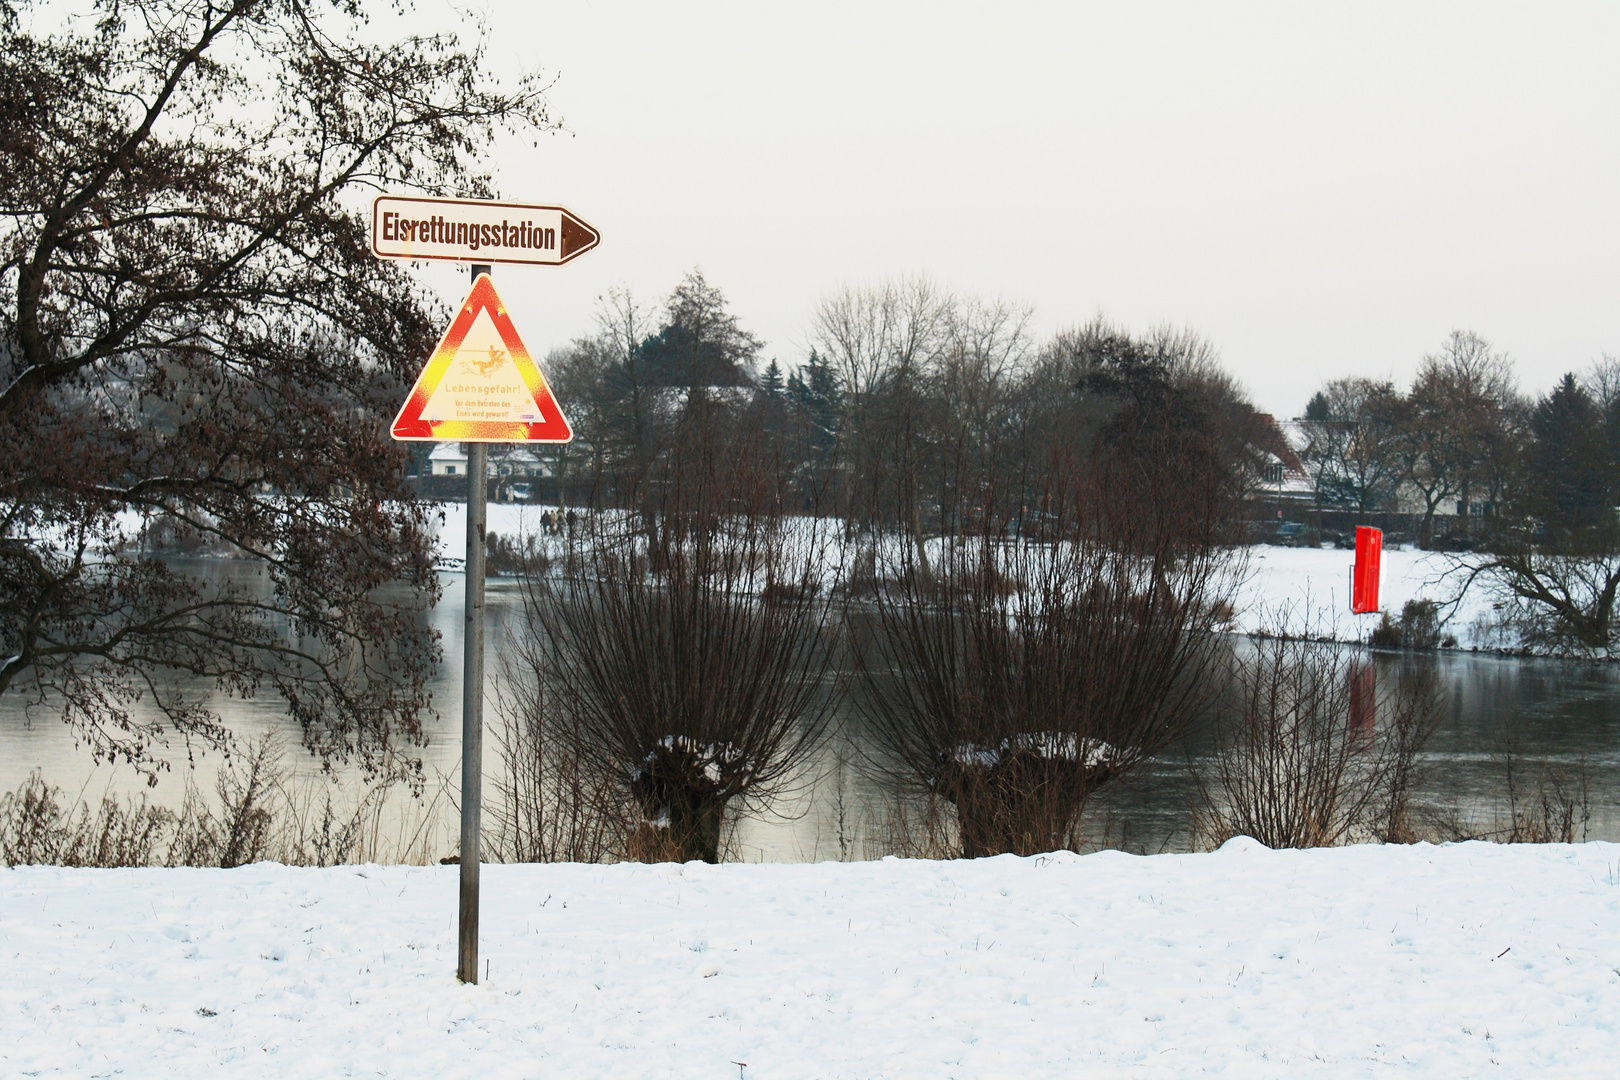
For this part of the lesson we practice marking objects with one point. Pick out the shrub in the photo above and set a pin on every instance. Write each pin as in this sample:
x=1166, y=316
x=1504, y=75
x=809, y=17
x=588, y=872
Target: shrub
x=1387, y=634
x=1016, y=678
x=1556, y=808
x=551, y=804
x=1420, y=624
x=1310, y=749
x=255, y=814
x=36, y=828
x=1418, y=628
x=688, y=649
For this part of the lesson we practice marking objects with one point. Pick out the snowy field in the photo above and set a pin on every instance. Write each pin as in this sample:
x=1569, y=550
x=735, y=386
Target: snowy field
x=1459, y=961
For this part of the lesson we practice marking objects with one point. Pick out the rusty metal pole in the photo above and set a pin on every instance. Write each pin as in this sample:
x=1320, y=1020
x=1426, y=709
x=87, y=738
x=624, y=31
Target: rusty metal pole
x=472, y=707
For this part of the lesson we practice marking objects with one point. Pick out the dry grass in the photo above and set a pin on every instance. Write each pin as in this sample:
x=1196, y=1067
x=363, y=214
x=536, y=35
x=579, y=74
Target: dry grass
x=256, y=812
x=1555, y=807
x=551, y=805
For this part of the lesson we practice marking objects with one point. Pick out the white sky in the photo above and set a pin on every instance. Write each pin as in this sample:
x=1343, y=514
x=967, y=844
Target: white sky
x=1320, y=190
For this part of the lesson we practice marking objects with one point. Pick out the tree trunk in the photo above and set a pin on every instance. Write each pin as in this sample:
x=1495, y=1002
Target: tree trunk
x=1426, y=530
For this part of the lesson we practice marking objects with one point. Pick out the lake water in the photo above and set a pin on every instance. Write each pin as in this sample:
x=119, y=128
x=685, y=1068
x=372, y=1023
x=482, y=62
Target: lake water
x=1553, y=714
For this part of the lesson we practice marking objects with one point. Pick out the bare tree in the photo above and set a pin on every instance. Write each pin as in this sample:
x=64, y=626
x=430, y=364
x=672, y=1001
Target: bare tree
x=1602, y=381
x=697, y=676
x=624, y=414
x=1312, y=751
x=1031, y=670
x=193, y=329
x=1553, y=567
x=1559, y=595
x=1350, y=447
x=1457, y=436
x=873, y=335
x=982, y=430
x=881, y=341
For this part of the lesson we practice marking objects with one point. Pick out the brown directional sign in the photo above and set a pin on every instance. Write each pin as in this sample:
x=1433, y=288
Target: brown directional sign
x=477, y=231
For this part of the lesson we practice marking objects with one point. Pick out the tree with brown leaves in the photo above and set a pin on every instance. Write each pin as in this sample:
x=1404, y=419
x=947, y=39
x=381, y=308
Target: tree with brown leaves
x=194, y=335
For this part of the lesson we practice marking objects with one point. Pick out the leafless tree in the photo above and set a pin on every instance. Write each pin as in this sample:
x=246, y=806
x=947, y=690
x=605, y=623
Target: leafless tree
x=873, y=335
x=1457, y=436
x=1558, y=595
x=621, y=417
x=1312, y=750
x=192, y=328
x=981, y=433
x=1044, y=659
x=697, y=675
x=881, y=341
x=1553, y=566
x=1351, y=448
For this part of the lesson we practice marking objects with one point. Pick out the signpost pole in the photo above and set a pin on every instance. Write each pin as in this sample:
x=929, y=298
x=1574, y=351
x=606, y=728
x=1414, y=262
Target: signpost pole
x=472, y=707
x=487, y=389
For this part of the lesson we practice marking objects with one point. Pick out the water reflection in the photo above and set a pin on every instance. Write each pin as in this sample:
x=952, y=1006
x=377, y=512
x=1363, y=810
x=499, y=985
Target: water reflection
x=1550, y=713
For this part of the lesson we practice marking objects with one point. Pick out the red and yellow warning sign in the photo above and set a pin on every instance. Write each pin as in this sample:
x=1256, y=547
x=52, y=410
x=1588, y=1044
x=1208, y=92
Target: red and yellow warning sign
x=481, y=384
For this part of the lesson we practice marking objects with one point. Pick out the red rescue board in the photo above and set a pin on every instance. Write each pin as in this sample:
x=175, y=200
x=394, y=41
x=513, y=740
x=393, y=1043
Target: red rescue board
x=1364, y=580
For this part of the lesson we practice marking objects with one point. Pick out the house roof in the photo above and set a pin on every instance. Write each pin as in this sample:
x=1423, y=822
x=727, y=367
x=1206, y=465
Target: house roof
x=1285, y=446
x=457, y=452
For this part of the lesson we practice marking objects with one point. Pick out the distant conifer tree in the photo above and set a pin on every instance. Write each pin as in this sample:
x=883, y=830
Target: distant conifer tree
x=771, y=381
x=1570, y=471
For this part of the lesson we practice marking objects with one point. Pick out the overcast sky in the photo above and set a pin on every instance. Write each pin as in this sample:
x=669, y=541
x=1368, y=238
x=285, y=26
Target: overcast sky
x=1320, y=190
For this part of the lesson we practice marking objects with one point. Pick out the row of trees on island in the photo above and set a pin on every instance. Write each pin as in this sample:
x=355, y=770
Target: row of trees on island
x=914, y=409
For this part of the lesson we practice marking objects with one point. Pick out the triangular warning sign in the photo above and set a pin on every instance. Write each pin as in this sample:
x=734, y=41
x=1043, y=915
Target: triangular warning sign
x=481, y=384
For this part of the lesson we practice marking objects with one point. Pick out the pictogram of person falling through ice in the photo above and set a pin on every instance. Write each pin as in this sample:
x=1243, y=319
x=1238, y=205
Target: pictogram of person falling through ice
x=484, y=367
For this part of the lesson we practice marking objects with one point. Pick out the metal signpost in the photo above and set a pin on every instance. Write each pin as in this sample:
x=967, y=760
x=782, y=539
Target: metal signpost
x=480, y=386
x=472, y=713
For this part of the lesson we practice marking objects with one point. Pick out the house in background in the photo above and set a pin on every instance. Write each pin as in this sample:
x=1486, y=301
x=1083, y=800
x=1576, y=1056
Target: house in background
x=448, y=459
x=505, y=460
x=1286, y=479
x=513, y=471
x=1281, y=491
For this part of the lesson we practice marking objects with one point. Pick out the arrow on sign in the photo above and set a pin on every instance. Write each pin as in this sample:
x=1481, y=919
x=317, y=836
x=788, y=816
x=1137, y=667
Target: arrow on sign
x=481, y=384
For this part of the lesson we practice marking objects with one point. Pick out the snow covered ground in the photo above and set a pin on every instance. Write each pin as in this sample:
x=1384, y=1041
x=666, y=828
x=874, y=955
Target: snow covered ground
x=1308, y=589
x=1458, y=961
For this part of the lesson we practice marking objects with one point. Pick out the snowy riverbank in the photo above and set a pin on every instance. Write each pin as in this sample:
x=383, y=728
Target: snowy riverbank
x=1308, y=589
x=1292, y=589
x=1454, y=961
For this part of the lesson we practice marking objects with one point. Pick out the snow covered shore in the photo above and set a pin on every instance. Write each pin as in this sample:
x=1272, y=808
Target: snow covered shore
x=1455, y=961
x=1307, y=589
x=1292, y=589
